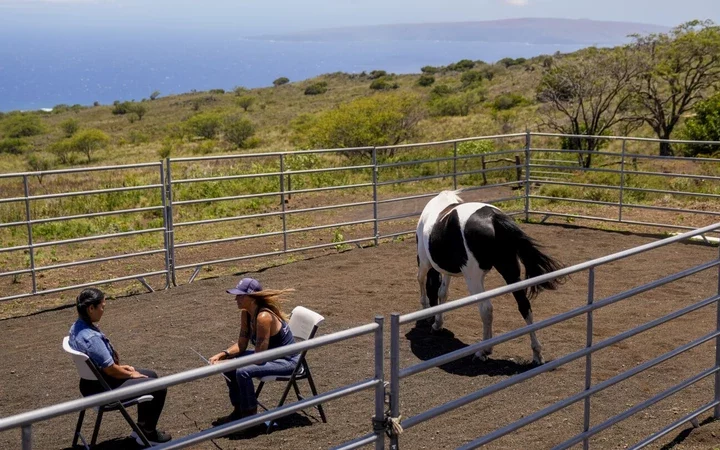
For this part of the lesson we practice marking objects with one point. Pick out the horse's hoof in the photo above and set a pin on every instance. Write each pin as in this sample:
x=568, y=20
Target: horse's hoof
x=437, y=331
x=538, y=361
x=481, y=357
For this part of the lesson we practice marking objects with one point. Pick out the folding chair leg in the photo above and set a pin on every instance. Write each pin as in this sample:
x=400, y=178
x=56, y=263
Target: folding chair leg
x=78, y=428
x=97, y=427
x=134, y=426
x=297, y=390
x=259, y=389
x=314, y=392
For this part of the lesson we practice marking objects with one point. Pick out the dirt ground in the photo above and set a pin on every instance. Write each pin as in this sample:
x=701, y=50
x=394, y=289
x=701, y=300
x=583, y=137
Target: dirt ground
x=157, y=330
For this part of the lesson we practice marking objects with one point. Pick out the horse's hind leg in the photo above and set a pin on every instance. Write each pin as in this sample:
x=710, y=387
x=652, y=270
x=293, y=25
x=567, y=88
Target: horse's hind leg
x=510, y=271
x=442, y=295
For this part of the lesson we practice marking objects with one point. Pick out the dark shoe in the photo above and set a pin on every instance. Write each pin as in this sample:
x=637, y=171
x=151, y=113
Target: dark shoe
x=232, y=417
x=154, y=437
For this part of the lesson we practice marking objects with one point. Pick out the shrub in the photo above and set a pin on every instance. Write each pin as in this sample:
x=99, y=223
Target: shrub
x=205, y=147
x=137, y=111
x=204, y=125
x=383, y=84
x=426, y=80
x=217, y=91
x=22, y=125
x=375, y=74
x=38, y=162
x=120, y=108
x=508, y=101
x=704, y=126
x=167, y=147
x=316, y=88
x=69, y=126
x=14, y=146
x=154, y=95
x=461, y=66
x=441, y=89
x=239, y=90
x=136, y=138
x=280, y=81
x=237, y=130
x=471, y=77
x=429, y=69
x=63, y=151
x=88, y=141
x=457, y=104
x=245, y=102
x=383, y=119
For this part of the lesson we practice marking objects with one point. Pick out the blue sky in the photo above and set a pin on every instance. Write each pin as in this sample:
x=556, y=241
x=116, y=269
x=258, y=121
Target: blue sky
x=247, y=17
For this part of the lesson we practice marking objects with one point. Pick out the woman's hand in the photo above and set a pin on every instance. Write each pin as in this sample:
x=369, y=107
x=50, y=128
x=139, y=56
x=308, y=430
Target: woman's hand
x=217, y=358
x=129, y=368
x=136, y=374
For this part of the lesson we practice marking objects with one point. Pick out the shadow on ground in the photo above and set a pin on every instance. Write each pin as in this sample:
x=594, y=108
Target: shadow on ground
x=426, y=345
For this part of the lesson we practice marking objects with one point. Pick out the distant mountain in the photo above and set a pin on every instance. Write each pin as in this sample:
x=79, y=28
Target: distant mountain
x=530, y=31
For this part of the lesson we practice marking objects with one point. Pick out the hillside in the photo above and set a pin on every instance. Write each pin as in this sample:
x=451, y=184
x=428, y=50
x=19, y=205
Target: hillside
x=530, y=31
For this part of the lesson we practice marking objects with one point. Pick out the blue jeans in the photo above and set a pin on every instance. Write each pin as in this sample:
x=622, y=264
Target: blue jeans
x=242, y=390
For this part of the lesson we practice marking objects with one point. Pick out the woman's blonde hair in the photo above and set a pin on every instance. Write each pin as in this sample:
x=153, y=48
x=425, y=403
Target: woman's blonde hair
x=271, y=299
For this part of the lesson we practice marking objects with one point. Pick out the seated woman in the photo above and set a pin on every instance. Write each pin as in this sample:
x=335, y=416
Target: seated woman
x=87, y=338
x=263, y=323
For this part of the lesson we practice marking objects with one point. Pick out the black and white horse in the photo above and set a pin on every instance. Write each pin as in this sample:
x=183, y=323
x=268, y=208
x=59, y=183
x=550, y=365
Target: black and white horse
x=469, y=239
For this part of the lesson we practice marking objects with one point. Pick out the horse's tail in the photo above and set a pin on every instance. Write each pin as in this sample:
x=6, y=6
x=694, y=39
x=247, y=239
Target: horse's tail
x=535, y=261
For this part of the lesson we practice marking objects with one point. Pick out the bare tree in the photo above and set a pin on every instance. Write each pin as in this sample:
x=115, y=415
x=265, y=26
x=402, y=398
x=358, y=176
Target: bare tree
x=587, y=94
x=679, y=68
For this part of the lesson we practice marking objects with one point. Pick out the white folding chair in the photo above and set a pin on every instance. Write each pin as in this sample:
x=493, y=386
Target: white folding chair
x=87, y=370
x=303, y=324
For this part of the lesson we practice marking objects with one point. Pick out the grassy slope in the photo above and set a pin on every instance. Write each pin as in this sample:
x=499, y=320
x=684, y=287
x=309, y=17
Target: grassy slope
x=272, y=113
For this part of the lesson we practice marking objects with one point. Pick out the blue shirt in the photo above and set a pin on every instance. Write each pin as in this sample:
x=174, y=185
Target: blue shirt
x=91, y=341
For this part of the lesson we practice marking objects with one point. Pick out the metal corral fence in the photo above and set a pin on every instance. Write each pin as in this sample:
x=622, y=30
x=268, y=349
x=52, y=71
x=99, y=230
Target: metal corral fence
x=389, y=421
x=213, y=210
x=27, y=210
x=278, y=177
x=223, y=209
x=26, y=420
x=397, y=373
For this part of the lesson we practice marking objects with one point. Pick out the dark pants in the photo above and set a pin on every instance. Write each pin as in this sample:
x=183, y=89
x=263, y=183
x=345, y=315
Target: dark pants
x=148, y=412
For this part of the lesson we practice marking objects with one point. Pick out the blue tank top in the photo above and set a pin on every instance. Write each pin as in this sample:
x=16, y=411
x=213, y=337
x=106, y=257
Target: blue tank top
x=282, y=337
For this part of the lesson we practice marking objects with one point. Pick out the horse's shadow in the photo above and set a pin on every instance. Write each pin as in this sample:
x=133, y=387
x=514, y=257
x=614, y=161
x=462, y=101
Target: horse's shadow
x=426, y=345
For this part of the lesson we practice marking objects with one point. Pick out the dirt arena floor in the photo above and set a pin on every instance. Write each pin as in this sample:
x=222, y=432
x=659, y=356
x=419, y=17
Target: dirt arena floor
x=157, y=330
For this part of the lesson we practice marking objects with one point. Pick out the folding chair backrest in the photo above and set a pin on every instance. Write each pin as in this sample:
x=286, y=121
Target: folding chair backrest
x=303, y=322
x=80, y=359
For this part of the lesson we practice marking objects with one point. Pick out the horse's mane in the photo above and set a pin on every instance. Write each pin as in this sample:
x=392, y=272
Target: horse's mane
x=451, y=196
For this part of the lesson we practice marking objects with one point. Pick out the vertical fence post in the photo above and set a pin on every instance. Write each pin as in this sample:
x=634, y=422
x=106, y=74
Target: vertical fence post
x=717, y=348
x=282, y=200
x=166, y=241
x=380, y=388
x=394, y=374
x=622, y=181
x=376, y=232
x=455, y=166
x=27, y=437
x=588, y=358
x=28, y=218
x=169, y=217
x=527, y=175
x=484, y=168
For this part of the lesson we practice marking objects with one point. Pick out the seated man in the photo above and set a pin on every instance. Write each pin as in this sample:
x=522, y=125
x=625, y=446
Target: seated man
x=86, y=337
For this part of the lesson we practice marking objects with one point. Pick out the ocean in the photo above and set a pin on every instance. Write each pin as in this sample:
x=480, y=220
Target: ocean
x=41, y=71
